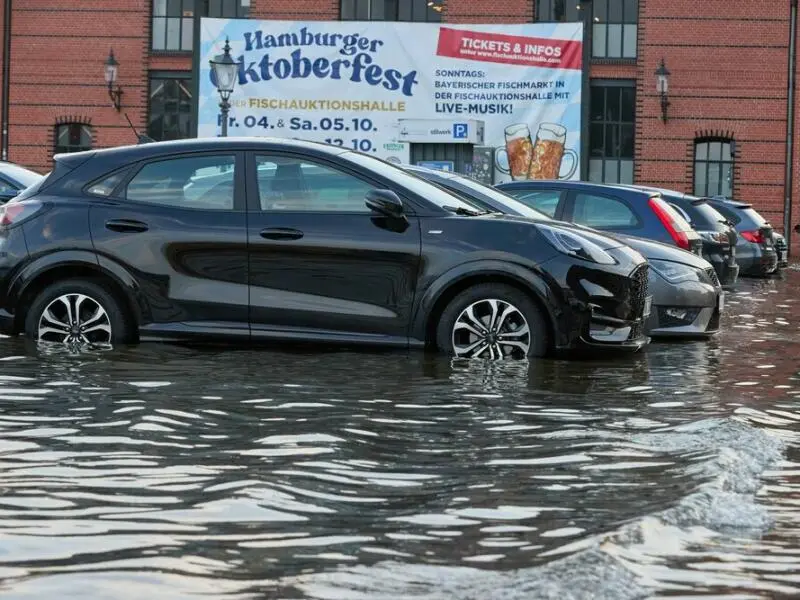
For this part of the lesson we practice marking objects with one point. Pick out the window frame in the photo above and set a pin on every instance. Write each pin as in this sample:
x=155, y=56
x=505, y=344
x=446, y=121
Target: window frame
x=604, y=85
x=707, y=162
x=186, y=76
x=254, y=191
x=242, y=12
x=547, y=6
x=400, y=4
x=599, y=22
x=120, y=193
x=572, y=201
x=57, y=129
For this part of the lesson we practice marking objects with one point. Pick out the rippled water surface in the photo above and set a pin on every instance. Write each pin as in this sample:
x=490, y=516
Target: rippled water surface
x=165, y=472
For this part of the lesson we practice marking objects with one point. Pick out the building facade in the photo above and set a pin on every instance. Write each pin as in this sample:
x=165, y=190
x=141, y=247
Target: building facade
x=725, y=130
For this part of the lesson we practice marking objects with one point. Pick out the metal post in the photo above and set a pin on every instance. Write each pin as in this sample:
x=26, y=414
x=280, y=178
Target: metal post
x=788, y=182
x=225, y=106
x=587, y=10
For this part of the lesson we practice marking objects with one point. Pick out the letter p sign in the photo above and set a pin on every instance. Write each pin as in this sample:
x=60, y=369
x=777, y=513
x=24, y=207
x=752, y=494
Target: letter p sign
x=459, y=130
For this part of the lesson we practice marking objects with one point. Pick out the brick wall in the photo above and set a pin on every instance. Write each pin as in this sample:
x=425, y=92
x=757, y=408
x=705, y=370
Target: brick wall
x=728, y=75
x=57, y=72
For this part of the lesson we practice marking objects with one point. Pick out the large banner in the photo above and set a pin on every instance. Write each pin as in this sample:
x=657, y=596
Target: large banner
x=378, y=87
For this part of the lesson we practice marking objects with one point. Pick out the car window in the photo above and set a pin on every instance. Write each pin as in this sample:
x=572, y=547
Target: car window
x=545, y=201
x=6, y=188
x=602, y=212
x=293, y=184
x=199, y=182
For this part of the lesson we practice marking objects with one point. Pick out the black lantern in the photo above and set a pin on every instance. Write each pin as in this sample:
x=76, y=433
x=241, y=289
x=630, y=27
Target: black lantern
x=111, y=70
x=662, y=87
x=225, y=71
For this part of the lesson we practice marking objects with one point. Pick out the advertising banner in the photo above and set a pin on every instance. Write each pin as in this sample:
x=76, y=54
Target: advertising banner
x=378, y=87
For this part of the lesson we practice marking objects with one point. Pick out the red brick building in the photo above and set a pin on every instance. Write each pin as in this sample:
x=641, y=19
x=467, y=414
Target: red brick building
x=727, y=117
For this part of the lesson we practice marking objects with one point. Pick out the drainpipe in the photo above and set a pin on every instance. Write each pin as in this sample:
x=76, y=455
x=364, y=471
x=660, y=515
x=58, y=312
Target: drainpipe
x=6, y=79
x=787, y=190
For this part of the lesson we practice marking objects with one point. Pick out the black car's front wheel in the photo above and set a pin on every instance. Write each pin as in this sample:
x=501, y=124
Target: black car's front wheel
x=494, y=321
x=76, y=313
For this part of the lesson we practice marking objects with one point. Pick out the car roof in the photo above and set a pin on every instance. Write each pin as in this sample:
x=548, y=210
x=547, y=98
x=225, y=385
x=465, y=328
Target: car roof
x=573, y=184
x=134, y=152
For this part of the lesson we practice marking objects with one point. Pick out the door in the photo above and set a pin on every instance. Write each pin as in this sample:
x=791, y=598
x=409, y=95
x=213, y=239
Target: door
x=179, y=226
x=321, y=264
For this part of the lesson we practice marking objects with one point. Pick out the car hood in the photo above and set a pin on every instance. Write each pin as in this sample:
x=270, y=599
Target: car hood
x=605, y=241
x=652, y=250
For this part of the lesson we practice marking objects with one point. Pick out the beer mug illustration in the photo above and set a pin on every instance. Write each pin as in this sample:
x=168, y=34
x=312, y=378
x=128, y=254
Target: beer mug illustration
x=541, y=159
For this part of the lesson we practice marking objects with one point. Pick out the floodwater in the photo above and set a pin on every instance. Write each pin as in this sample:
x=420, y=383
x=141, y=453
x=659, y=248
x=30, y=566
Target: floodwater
x=172, y=473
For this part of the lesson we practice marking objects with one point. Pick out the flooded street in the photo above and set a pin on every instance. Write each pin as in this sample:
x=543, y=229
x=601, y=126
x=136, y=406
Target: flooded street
x=169, y=473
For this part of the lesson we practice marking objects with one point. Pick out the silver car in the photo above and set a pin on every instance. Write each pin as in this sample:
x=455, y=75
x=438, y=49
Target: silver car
x=687, y=299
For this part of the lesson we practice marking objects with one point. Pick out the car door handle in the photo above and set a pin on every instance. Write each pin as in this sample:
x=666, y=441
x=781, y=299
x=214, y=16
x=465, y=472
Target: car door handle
x=126, y=225
x=281, y=233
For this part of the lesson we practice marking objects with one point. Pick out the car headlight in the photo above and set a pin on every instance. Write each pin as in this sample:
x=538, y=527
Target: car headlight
x=673, y=272
x=575, y=245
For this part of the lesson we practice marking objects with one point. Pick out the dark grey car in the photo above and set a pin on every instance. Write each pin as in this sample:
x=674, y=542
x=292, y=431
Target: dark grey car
x=687, y=297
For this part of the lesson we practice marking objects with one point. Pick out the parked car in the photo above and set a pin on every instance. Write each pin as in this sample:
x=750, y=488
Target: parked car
x=719, y=236
x=14, y=179
x=760, y=250
x=687, y=297
x=300, y=241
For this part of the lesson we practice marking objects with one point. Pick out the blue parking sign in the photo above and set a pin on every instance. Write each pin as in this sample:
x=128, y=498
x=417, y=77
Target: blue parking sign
x=460, y=130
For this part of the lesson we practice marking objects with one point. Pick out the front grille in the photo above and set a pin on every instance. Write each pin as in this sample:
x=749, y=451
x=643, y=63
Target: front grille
x=712, y=275
x=638, y=295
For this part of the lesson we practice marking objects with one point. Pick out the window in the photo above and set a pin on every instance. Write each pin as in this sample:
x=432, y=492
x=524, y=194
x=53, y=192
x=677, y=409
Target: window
x=293, y=185
x=545, y=201
x=713, y=167
x=558, y=10
x=603, y=212
x=173, y=20
x=73, y=137
x=170, y=106
x=105, y=186
x=204, y=182
x=392, y=10
x=612, y=112
x=614, y=28
x=6, y=189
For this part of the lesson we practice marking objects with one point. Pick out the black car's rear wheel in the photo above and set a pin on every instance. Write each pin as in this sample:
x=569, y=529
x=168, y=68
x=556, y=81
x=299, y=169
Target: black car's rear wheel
x=76, y=313
x=494, y=321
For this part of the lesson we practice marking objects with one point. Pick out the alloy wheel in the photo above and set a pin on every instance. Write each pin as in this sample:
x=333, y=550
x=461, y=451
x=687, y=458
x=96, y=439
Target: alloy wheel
x=75, y=320
x=491, y=329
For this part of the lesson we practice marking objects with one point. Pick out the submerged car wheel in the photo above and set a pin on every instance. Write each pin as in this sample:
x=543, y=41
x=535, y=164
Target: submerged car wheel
x=76, y=313
x=492, y=321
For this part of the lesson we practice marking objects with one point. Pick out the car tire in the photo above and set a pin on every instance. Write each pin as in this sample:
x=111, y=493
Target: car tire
x=92, y=296
x=454, y=336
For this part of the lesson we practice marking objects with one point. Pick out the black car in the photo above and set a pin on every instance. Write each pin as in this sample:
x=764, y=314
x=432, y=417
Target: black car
x=760, y=250
x=14, y=179
x=718, y=234
x=274, y=239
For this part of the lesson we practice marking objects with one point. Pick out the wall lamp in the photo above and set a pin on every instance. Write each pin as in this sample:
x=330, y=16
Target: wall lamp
x=662, y=86
x=111, y=68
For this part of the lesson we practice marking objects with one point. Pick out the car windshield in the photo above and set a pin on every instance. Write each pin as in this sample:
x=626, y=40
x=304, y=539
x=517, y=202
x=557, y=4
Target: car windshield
x=24, y=176
x=432, y=193
x=494, y=195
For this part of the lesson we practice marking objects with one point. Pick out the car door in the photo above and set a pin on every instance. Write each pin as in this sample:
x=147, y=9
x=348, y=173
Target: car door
x=179, y=226
x=322, y=265
x=603, y=212
x=546, y=200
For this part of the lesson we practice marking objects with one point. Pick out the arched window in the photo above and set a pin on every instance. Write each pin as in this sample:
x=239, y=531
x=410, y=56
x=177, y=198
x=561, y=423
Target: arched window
x=713, y=167
x=73, y=137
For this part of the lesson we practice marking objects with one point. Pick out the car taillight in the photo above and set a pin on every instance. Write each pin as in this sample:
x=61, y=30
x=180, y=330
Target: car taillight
x=756, y=237
x=14, y=213
x=669, y=220
x=719, y=237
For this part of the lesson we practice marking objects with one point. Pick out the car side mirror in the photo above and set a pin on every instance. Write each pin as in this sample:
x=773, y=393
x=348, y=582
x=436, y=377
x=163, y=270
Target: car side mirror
x=384, y=202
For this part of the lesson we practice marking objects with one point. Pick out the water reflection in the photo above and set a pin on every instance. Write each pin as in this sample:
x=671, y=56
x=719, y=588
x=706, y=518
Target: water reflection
x=175, y=472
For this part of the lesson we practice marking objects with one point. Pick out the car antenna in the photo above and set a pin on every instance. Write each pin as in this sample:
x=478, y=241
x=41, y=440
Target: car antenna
x=142, y=139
